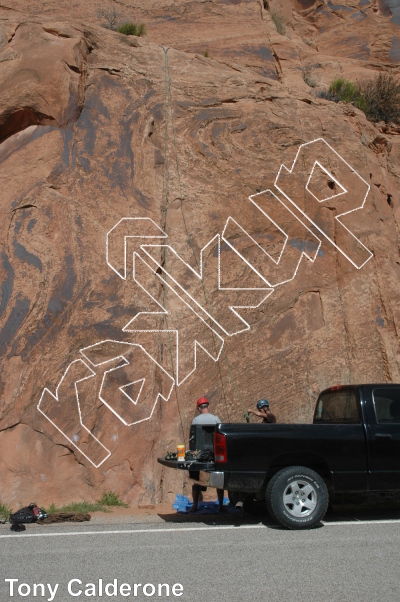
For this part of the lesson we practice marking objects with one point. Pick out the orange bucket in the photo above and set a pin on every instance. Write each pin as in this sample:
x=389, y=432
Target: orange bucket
x=180, y=453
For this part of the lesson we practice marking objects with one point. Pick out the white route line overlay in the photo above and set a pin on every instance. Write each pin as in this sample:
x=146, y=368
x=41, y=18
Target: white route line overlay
x=121, y=356
x=333, y=196
x=132, y=224
x=132, y=221
x=199, y=276
x=127, y=363
x=191, y=529
x=79, y=411
x=341, y=193
x=276, y=261
x=174, y=331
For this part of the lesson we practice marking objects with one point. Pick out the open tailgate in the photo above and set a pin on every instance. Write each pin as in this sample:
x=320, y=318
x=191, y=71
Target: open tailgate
x=188, y=465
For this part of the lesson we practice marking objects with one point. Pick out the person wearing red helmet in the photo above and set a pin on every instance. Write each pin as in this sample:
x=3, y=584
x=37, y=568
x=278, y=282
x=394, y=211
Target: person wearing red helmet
x=205, y=417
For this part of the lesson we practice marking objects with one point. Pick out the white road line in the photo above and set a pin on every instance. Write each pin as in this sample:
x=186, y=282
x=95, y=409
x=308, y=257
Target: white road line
x=130, y=531
x=187, y=529
x=362, y=522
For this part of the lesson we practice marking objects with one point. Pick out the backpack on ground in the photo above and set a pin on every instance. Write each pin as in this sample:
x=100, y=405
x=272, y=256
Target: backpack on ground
x=27, y=515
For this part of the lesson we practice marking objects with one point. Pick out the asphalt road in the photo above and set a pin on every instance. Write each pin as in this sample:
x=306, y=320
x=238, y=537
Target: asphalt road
x=354, y=561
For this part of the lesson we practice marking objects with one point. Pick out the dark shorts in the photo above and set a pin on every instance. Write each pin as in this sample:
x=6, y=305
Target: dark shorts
x=197, y=487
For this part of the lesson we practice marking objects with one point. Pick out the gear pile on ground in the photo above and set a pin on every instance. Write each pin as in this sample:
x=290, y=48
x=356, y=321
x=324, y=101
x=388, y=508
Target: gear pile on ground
x=62, y=517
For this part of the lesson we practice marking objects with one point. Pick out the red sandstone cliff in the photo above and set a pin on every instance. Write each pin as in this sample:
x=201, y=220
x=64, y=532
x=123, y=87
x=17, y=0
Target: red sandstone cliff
x=96, y=126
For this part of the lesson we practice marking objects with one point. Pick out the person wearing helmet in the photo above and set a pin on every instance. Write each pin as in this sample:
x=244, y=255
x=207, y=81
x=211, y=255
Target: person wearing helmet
x=263, y=412
x=205, y=417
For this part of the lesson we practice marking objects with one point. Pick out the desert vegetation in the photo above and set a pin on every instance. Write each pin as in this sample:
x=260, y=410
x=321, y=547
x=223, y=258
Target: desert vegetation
x=114, y=20
x=378, y=98
x=132, y=29
x=107, y=500
x=279, y=23
x=5, y=510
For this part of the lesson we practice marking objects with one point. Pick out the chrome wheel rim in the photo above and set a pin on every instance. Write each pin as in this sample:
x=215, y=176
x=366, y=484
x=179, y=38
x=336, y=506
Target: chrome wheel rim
x=300, y=498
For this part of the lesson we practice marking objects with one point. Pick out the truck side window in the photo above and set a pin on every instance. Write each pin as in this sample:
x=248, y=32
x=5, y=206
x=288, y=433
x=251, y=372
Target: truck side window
x=387, y=405
x=338, y=407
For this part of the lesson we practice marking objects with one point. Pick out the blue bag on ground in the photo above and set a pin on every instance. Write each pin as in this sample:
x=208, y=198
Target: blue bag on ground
x=183, y=504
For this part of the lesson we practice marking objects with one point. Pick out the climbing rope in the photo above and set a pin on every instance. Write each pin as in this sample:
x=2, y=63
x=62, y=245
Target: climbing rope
x=166, y=189
x=168, y=82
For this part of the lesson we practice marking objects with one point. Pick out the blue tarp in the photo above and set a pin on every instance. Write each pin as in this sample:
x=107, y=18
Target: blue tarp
x=183, y=504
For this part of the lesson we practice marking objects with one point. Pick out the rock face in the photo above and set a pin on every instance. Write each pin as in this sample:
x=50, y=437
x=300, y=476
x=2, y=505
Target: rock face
x=112, y=145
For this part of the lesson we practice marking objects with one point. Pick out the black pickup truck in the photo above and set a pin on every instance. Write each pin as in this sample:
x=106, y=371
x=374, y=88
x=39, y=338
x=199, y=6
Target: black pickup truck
x=353, y=445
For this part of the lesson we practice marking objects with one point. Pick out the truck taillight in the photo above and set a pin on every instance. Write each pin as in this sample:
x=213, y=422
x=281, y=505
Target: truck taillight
x=220, y=453
x=336, y=388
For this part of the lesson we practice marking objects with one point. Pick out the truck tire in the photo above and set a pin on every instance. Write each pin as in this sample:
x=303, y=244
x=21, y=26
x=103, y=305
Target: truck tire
x=297, y=497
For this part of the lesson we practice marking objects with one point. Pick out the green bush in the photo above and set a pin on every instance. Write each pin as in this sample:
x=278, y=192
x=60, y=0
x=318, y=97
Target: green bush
x=5, y=510
x=109, y=498
x=279, y=23
x=77, y=507
x=382, y=98
x=344, y=90
x=379, y=98
x=132, y=29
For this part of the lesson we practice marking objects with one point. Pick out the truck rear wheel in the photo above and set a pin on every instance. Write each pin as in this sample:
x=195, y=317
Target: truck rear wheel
x=297, y=497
